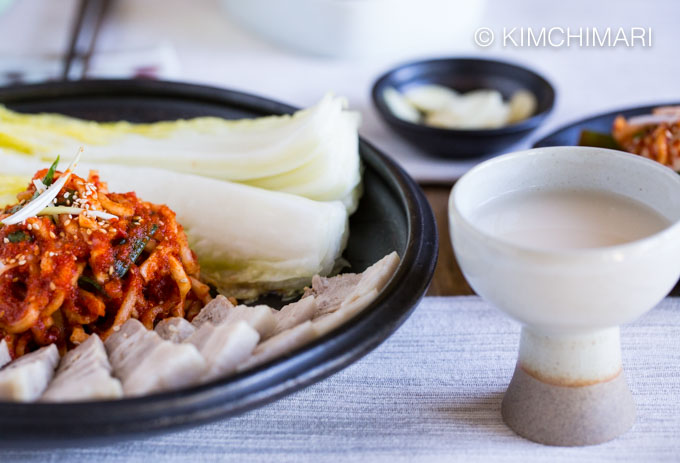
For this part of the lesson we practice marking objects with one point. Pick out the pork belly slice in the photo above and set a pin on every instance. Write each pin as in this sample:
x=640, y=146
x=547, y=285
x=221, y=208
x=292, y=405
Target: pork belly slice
x=348, y=310
x=175, y=329
x=84, y=373
x=376, y=276
x=281, y=344
x=168, y=367
x=5, y=358
x=365, y=291
x=214, y=312
x=26, y=378
x=294, y=314
x=260, y=317
x=145, y=363
x=330, y=292
x=128, y=346
x=224, y=346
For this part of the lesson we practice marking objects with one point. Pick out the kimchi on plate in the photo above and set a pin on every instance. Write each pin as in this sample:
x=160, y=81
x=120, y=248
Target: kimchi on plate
x=89, y=262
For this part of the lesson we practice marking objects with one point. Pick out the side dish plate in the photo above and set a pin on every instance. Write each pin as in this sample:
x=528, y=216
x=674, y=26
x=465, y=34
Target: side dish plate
x=393, y=215
x=568, y=135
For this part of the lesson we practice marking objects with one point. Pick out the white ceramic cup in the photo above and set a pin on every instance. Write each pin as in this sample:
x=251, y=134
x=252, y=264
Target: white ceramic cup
x=570, y=302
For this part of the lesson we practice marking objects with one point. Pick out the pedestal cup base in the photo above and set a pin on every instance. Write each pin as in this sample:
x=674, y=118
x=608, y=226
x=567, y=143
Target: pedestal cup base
x=567, y=415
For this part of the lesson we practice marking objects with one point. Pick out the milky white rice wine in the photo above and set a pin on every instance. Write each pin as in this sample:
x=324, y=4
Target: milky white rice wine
x=568, y=219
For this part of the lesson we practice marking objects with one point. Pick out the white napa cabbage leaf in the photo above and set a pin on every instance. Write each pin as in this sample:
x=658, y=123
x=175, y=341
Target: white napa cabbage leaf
x=312, y=153
x=248, y=240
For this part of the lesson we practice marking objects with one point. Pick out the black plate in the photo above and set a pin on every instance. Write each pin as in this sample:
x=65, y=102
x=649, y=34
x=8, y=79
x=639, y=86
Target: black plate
x=464, y=75
x=568, y=135
x=393, y=215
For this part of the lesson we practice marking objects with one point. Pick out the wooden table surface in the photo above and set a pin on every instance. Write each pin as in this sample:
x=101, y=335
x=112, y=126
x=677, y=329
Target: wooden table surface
x=448, y=279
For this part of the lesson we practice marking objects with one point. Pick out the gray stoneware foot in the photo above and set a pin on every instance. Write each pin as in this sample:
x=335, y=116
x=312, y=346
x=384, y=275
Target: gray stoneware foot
x=567, y=415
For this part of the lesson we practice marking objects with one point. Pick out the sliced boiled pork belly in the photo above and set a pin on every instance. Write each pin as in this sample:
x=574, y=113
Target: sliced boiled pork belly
x=281, y=344
x=220, y=311
x=352, y=298
x=127, y=347
x=145, y=363
x=294, y=314
x=348, y=310
x=214, y=312
x=84, y=373
x=376, y=276
x=224, y=346
x=168, y=367
x=330, y=292
x=5, y=357
x=226, y=335
x=175, y=329
x=25, y=379
x=328, y=304
x=260, y=317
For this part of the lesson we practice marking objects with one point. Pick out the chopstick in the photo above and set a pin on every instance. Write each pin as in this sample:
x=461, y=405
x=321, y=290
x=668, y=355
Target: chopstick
x=84, y=33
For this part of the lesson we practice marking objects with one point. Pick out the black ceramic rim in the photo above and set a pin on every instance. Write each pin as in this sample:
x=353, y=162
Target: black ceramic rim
x=583, y=123
x=524, y=125
x=251, y=389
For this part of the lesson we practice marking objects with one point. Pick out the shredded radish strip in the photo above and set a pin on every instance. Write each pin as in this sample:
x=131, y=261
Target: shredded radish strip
x=652, y=119
x=41, y=202
x=39, y=185
x=58, y=210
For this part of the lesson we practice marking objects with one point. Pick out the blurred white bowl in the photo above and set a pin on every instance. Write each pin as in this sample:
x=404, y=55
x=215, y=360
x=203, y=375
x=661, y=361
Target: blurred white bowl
x=362, y=28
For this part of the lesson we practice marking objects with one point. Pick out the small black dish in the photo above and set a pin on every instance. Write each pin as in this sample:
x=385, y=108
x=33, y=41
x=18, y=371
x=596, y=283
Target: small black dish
x=464, y=75
x=569, y=135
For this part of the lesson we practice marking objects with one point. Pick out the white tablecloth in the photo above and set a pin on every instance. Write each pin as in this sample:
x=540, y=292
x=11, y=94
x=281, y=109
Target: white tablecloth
x=431, y=392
